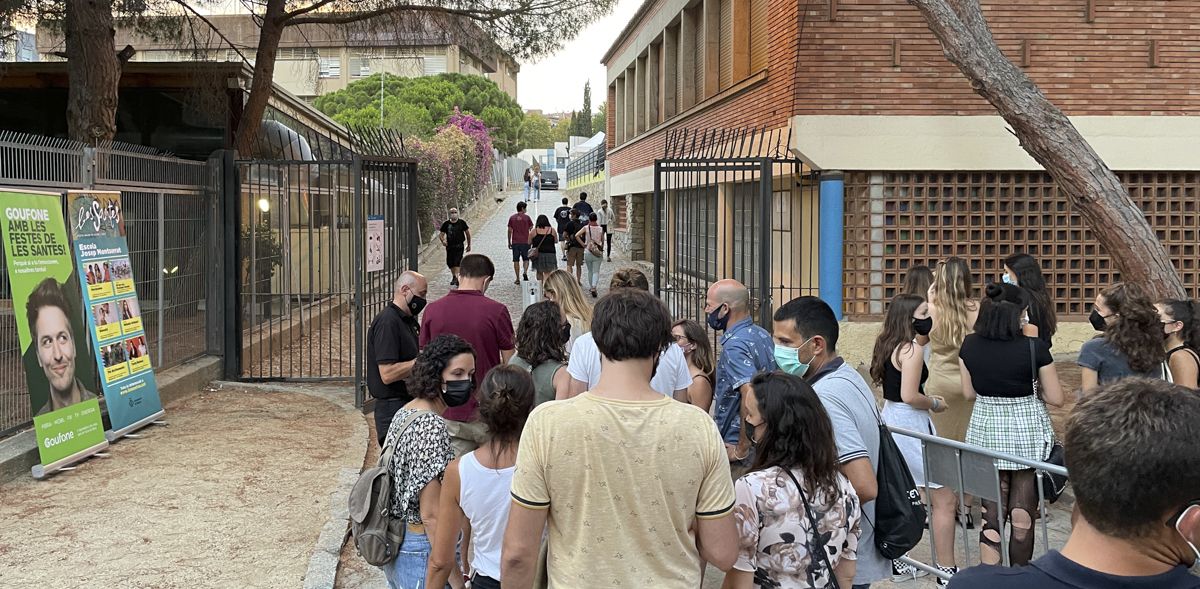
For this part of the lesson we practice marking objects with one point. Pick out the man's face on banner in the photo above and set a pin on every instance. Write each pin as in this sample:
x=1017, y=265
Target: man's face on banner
x=56, y=348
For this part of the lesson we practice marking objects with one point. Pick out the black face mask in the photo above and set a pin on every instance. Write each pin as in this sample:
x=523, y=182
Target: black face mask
x=923, y=326
x=566, y=333
x=416, y=305
x=458, y=392
x=1097, y=320
x=750, y=429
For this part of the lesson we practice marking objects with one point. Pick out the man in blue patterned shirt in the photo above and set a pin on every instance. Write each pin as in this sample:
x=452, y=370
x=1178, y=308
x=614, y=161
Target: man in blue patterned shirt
x=746, y=350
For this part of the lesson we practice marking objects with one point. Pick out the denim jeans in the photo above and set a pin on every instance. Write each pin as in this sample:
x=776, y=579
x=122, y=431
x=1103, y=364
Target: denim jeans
x=593, y=267
x=408, y=570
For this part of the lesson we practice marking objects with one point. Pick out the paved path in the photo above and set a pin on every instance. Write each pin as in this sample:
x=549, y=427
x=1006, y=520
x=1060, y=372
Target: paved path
x=490, y=237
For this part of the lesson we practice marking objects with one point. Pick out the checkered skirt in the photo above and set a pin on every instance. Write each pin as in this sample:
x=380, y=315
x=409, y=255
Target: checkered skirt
x=1019, y=426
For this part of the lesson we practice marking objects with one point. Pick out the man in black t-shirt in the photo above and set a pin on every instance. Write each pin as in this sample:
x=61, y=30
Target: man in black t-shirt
x=562, y=216
x=456, y=238
x=573, y=249
x=583, y=206
x=1135, y=467
x=392, y=347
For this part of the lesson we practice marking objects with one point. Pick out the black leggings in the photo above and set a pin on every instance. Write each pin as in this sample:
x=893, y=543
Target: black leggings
x=1018, y=490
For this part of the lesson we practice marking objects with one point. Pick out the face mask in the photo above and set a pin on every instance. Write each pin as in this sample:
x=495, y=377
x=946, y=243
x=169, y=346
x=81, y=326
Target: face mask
x=416, y=304
x=716, y=321
x=1184, y=536
x=750, y=429
x=453, y=217
x=1097, y=320
x=566, y=333
x=1006, y=279
x=788, y=359
x=457, y=392
x=923, y=326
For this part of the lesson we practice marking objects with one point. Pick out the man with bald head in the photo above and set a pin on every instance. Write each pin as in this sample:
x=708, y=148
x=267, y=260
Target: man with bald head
x=392, y=347
x=746, y=350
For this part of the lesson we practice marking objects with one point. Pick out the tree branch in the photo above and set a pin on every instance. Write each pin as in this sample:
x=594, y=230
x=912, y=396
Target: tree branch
x=214, y=28
x=343, y=18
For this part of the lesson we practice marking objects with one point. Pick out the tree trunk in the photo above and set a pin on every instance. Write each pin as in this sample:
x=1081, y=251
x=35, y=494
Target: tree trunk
x=1052, y=140
x=93, y=71
x=264, y=76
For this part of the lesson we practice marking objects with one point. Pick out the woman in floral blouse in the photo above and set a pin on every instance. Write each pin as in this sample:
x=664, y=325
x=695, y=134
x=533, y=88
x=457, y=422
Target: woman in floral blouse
x=442, y=376
x=797, y=515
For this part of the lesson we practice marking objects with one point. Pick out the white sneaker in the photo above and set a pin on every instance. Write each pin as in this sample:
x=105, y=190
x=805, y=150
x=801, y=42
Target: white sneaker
x=902, y=571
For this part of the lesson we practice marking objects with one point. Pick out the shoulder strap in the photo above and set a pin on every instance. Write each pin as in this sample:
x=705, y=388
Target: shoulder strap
x=812, y=521
x=1033, y=368
x=385, y=457
x=870, y=399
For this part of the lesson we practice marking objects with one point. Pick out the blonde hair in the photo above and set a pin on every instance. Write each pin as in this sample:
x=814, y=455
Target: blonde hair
x=569, y=297
x=952, y=296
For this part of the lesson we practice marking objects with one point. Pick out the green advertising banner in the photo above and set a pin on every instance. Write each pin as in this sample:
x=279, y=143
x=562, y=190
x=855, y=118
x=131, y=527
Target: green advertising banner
x=60, y=369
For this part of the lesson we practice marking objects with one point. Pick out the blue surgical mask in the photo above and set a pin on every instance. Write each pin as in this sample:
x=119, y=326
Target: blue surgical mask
x=1006, y=279
x=788, y=359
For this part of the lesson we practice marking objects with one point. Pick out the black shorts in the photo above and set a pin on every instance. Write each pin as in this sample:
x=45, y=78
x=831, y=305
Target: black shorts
x=454, y=255
x=520, y=252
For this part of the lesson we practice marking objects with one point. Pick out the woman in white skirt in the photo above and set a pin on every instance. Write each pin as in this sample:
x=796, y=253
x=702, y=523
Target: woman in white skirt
x=898, y=365
x=1009, y=373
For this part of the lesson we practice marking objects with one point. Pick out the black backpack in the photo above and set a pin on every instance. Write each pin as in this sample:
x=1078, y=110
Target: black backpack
x=899, y=514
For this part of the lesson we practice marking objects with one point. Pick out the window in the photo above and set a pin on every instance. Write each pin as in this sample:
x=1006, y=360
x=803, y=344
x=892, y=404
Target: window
x=725, y=53
x=360, y=65
x=697, y=208
x=329, y=67
x=295, y=54
x=758, y=35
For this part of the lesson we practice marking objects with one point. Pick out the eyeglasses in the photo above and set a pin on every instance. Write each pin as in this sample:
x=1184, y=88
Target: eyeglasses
x=679, y=338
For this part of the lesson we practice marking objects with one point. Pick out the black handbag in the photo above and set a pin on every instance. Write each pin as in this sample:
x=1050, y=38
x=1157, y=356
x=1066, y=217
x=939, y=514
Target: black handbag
x=1053, y=484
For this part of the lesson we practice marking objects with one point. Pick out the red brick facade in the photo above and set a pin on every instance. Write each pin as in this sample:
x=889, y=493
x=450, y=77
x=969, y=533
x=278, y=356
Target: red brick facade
x=1132, y=58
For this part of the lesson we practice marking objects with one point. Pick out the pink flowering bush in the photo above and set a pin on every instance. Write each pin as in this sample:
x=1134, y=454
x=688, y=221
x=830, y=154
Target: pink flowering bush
x=454, y=167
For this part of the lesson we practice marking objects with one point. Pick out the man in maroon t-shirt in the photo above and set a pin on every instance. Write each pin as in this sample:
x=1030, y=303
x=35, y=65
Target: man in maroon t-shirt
x=483, y=323
x=518, y=241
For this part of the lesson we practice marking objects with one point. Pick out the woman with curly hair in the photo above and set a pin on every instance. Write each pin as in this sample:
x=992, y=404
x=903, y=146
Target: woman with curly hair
x=443, y=376
x=1181, y=329
x=953, y=308
x=1131, y=344
x=797, y=515
x=475, y=490
x=561, y=288
x=1024, y=271
x=541, y=339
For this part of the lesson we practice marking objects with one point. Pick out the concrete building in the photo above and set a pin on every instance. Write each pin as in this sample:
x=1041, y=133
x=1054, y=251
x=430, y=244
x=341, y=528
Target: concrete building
x=318, y=59
x=912, y=166
x=18, y=46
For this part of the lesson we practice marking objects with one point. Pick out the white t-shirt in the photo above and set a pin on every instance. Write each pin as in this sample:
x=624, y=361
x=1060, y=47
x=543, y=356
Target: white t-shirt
x=672, y=374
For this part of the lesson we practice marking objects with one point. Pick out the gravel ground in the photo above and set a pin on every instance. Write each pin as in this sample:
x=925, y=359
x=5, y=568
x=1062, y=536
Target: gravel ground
x=233, y=493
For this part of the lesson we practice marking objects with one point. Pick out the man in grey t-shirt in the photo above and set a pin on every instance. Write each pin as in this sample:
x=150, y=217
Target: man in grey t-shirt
x=805, y=334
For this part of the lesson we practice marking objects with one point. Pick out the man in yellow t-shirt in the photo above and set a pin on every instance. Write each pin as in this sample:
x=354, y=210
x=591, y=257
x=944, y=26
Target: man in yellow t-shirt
x=635, y=485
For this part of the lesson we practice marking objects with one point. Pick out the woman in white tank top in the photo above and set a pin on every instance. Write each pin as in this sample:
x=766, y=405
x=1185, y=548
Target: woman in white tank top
x=475, y=489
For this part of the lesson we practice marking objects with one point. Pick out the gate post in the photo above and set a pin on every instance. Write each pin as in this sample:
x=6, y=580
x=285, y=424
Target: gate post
x=656, y=215
x=829, y=248
x=231, y=224
x=410, y=195
x=356, y=254
x=766, y=185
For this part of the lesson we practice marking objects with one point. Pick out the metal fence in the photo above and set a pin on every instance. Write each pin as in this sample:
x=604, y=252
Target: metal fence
x=167, y=202
x=587, y=168
x=718, y=213
x=971, y=470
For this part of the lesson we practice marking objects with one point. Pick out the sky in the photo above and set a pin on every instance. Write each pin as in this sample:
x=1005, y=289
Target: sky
x=555, y=83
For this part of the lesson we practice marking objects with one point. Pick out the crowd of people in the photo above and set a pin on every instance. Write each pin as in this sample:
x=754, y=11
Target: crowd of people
x=608, y=445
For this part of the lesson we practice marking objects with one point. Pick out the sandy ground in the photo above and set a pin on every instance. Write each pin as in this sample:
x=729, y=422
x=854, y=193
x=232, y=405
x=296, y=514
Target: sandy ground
x=233, y=493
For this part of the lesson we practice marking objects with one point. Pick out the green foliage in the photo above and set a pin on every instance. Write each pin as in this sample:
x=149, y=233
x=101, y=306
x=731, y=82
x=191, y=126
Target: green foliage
x=600, y=119
x=563, y=129
x=536, y=132
x=581, y=121
x=448, y=174
x=418, y=106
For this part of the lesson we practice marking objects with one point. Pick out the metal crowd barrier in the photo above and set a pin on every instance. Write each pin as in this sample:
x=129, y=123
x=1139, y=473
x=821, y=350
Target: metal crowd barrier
x=971, y=470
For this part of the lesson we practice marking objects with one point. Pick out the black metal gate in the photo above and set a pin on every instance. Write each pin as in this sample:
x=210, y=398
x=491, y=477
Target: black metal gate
x=321, y=244
x=733, y=204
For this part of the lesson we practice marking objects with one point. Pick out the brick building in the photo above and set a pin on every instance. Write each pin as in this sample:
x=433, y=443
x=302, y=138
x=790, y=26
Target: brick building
x=912, y=165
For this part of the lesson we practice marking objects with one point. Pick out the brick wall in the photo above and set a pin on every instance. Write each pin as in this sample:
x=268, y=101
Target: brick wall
x=847, y=65
x=766, y=104
x=1086, y=68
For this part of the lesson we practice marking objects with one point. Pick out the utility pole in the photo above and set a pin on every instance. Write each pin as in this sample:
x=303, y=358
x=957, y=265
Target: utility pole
x=382, y=75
